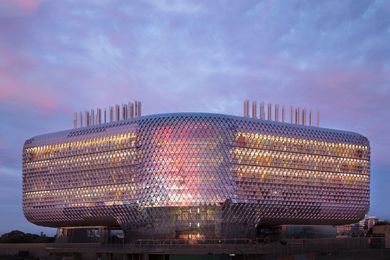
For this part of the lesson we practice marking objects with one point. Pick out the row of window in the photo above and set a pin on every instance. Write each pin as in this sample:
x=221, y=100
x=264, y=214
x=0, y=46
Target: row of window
x=281, y=143
x=69, y=148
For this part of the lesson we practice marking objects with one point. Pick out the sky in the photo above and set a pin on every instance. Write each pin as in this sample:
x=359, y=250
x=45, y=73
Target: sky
x=61, y=56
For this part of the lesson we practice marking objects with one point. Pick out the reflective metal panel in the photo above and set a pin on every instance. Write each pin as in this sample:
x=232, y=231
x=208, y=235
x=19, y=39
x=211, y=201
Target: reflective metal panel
x=195, y=175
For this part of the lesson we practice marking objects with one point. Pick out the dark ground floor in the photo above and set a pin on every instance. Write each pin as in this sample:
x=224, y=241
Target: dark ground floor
x=337, y=248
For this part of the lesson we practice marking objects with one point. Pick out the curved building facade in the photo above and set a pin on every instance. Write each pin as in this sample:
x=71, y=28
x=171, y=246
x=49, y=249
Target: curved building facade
x=195, y=175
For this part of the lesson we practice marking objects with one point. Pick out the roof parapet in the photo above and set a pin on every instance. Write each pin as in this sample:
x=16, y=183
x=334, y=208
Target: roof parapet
x=110, y=114
x=298, y=115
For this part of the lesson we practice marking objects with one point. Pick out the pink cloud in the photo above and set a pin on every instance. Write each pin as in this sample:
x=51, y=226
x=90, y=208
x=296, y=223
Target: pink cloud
x=19, y=7
x=16, y=85
x=12, y=89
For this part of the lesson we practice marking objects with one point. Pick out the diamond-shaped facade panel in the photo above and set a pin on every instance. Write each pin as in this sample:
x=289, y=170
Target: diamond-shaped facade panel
x=195, y=175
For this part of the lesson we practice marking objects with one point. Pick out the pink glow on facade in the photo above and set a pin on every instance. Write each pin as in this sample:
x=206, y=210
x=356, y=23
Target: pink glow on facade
x=184, y=179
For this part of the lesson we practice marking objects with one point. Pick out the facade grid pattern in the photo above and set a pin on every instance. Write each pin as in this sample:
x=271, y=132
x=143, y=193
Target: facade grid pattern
x=194, y=175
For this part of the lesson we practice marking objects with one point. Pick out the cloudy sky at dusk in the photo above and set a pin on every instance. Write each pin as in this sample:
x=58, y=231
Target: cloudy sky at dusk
x=57, y=57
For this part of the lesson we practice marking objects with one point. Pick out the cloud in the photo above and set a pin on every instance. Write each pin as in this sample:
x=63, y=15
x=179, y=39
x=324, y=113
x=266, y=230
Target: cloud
x=17, y=87
x=178, y=7
x=12, y=8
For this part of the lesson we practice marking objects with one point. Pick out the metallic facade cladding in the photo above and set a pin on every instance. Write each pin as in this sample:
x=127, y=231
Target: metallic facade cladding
x=195, y=175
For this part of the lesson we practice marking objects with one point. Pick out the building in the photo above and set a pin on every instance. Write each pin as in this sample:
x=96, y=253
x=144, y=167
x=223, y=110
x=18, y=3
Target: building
x=360, y=228
x=195, y=176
